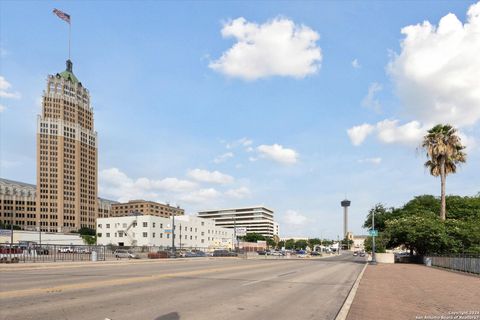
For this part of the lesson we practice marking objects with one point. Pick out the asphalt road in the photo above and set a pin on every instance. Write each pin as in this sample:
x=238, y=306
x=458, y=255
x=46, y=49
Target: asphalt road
x=213, y=288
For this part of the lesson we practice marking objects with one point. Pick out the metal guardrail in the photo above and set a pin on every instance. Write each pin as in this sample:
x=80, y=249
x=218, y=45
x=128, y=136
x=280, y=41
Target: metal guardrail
x=460, y=262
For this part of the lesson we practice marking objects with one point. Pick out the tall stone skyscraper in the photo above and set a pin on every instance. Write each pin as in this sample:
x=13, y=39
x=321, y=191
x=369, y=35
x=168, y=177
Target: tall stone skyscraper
x=66, y=197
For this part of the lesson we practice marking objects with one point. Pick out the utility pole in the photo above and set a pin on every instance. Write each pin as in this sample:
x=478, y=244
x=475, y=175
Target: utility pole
x=235, y=233
x=374, y=259
x=173, y=234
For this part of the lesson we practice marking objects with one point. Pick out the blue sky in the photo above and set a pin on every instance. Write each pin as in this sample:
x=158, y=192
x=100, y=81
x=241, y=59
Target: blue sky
x=294, y=106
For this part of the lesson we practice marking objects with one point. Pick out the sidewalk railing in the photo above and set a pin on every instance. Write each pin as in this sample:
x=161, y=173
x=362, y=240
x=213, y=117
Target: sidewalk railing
x=460, y=262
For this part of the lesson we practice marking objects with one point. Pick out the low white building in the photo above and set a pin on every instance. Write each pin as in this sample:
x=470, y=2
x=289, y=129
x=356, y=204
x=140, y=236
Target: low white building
x=41, y=237
x=146, y=230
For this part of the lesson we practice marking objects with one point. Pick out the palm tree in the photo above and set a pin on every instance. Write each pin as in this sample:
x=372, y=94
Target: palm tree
x=445, y=151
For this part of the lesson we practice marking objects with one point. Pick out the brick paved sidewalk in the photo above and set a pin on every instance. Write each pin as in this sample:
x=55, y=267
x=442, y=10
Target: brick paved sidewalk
x=409, y=291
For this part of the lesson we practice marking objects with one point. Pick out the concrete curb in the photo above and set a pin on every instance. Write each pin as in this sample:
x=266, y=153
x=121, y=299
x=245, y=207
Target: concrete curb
x=343, y=313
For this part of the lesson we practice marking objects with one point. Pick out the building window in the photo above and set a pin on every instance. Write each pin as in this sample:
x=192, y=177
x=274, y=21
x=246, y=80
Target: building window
x=154, y=224
x=108, y=225
x=203, y=223
x=161, y=225
x=124, y=225
x=99, y=235
x=168, y=235
x=100, y=226
x=108, y=235
x=145, y=224
x=153, y=235
x=145, y=234
x=161, y=235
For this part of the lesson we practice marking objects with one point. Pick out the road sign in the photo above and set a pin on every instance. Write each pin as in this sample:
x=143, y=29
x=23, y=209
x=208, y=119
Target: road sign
x=373, y=233
x=241, y=231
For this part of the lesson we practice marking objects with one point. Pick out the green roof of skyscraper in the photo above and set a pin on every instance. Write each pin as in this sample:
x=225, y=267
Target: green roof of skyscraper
x=68, y=73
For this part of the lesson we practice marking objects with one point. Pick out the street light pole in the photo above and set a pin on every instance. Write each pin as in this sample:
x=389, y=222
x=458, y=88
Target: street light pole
x=235, y=232
x=374, y=259
x=173, y=234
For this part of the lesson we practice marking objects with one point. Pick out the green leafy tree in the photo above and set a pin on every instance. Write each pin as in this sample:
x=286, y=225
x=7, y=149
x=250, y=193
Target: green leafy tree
x=445, y=151
x=380, y=244
x=253, y=237
x=301, y=244
x=270, y=243
x=86, y=231
x=382, y=214
x=88, y=239
x=290, y=244
x=313, y=242
x=424, y=234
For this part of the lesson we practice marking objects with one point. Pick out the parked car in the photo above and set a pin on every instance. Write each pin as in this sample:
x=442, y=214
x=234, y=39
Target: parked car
x=194, y=254
x=123, y=253
x=277, y=253
x=355, y=253
x=262, y=253
x=315, y=253
x=301, y=252
x=65, y=250
x=362, y=254
x=224, y=253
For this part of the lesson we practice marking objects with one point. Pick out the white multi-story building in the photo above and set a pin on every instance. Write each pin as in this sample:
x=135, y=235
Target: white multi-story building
x=257, y=219
x=147, y=230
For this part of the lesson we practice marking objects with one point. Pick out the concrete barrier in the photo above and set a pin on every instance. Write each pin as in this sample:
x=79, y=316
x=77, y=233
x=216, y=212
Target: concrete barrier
x=383, y=257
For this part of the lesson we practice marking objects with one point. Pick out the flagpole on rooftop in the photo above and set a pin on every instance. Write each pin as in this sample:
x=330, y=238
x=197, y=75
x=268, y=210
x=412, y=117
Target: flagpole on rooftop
x=69, y=37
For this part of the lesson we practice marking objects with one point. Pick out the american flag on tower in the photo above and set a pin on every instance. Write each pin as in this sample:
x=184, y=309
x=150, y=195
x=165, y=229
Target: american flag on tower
x=62, y=15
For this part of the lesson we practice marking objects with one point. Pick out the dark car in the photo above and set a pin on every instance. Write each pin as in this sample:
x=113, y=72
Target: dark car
x=315, y=253
x=362, y=254
x=262, y=253
x=224, y=253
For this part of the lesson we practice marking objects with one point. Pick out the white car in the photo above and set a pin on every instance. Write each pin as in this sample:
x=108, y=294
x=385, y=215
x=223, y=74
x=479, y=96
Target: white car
x=123, y=253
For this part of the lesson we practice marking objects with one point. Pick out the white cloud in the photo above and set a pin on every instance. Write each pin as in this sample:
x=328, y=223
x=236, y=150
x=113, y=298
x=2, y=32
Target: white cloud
x=359, y=133
x=245, y=142
x=278, y=153
x=411, y=133
x=224, y=157
x=389, y=131
x=356, y=64
x=437, y=71
x=293, y=218
x=210, y=176
x=371, y=101
x=278, y=47
x=116, y=184
x=201, y=195
x=371, y=160
x=252, y=159
x=239, y=193
x=2, y=108
x=5, y=90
